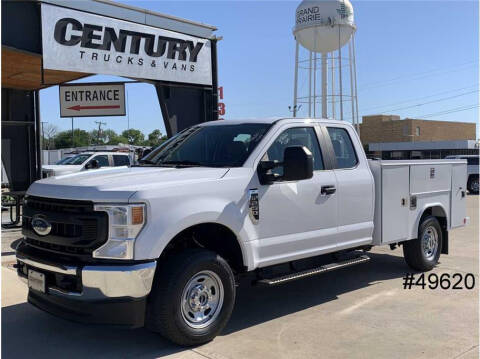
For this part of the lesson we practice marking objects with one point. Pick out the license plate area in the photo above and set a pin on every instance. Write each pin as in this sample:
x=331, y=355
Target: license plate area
x=36, y=281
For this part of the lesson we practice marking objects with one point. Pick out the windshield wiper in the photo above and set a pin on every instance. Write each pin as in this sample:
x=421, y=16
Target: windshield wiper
x=147, y=162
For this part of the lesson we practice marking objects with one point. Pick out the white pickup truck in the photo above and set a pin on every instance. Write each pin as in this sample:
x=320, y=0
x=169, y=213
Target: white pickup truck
x=162, y=244
x=86, y=161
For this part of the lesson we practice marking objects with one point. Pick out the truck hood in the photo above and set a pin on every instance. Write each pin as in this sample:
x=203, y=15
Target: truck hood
x=120, y=183
x=62, y=169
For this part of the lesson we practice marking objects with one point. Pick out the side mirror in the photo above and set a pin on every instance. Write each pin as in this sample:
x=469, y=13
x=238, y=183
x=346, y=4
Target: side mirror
x=262, y=170
x=92, y=165
x=297, y=163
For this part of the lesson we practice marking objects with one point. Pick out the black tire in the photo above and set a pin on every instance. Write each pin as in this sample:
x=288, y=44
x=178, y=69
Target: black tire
x=164, y=308
x=413, y=251
x=472, y=185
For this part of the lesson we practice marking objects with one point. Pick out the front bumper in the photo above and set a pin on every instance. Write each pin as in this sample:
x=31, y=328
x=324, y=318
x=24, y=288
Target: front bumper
x=106, y=294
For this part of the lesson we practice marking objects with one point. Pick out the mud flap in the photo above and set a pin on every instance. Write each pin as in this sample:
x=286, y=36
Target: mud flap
x=445, y=242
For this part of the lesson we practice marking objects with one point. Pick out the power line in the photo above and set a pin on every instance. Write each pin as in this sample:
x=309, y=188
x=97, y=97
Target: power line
x=417, y=76
x=419, y=98
x=433, y=101
x=452, y=110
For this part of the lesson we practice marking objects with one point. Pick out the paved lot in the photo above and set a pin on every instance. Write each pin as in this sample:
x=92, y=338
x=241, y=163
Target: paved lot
x=359, y=312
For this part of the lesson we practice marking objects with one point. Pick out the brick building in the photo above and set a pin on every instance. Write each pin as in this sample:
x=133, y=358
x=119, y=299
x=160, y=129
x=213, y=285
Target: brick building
x=390, y=128
x=387, y=136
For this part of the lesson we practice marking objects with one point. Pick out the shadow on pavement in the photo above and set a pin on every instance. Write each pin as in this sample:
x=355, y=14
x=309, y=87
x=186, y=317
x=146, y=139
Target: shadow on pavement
x=255, y=305
x=27, y=332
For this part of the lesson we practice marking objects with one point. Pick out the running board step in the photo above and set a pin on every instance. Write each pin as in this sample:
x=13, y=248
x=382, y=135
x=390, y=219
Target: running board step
x=311, y=272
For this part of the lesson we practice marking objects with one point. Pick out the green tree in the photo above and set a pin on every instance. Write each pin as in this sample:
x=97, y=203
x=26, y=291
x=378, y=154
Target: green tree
x=133, y=136
x=116, y=140
x=107, y=137
x=155, y=138
x=49, y=132
x=64, y=139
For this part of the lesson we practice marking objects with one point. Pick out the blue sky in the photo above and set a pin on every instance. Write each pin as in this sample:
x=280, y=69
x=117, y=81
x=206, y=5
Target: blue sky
x=408, y=53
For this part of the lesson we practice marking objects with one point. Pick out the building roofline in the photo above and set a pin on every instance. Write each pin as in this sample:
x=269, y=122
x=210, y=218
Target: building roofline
x=423, y=145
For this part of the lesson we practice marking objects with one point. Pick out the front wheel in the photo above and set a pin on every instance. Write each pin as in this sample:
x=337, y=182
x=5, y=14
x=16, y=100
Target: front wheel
x=192, y=297
x=422, y=254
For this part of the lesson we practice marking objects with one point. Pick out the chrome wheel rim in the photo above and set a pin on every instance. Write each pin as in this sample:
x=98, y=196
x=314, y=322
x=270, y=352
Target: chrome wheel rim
x=202, y=299
x=430, y=242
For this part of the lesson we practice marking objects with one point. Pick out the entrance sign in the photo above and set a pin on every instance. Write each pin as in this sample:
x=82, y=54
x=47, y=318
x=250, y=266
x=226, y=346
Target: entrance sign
x=83, y=42
x=94, y=99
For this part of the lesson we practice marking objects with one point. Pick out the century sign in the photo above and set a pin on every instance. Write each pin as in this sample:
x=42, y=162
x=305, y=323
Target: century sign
x=93, y=99
x=78, y=41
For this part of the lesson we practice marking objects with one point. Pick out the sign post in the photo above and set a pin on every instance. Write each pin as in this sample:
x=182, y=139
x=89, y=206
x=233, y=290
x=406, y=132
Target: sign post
x=92, y=99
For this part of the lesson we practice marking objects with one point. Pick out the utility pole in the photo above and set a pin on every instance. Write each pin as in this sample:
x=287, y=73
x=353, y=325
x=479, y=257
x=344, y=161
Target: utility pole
x=294, y=109
x=73, y=145
x=100, y=123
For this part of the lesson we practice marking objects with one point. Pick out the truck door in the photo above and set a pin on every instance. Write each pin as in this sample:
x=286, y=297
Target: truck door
x=296, y=218
x=458, y=195
x=355, y=188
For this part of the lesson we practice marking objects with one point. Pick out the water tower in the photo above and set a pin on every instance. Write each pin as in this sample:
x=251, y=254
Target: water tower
x=324, y=28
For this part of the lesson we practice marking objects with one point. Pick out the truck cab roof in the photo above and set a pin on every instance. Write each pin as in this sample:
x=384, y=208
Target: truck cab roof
x=272, y=120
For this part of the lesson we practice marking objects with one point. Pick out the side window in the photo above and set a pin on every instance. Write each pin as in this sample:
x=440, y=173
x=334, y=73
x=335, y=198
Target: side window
x=343, y=147
x=119, y=160
x=102, y=160
x=296, y=136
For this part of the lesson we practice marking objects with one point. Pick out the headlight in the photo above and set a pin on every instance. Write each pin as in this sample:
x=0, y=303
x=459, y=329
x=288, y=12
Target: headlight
x=124, y=224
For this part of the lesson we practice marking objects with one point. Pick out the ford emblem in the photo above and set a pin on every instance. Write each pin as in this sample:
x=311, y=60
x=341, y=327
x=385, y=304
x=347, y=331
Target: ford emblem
x=41, y=226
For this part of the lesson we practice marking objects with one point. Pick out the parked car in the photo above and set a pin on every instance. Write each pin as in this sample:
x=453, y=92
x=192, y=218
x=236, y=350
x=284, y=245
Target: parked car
x=65, y=160
x=86, y=161
x=472, y=171
x=164, y=243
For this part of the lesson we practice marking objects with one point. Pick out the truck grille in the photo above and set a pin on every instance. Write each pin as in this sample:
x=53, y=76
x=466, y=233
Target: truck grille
x=76, y=229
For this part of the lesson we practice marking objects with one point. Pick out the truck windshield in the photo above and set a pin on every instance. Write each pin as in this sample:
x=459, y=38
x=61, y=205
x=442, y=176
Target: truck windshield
x=77, y=160
x=64, y=161
x=209, y=146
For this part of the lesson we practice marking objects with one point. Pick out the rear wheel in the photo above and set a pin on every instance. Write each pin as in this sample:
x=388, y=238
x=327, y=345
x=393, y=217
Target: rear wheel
x=192, y=297
x=472, y=185
x=422, y=254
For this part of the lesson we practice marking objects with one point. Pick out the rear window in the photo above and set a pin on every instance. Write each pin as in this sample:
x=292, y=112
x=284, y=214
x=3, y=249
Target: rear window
x=119, y=160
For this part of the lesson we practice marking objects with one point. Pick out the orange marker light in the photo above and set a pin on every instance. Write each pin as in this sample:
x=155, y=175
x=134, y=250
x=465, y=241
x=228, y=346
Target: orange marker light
x=137, y=215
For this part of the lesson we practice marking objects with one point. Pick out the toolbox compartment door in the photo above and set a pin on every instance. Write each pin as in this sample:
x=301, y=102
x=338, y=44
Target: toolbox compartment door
x=458, y=195
x=395, y=203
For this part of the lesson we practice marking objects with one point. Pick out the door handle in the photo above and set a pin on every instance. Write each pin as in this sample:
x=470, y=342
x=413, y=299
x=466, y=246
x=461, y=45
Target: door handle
x=326, y=190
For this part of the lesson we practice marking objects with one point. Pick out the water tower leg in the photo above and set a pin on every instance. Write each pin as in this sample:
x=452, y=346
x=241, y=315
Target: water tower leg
x=315, y=85
x=324, y=85
x=310, y=86
x=352, y=93
x=340, y=75
x=295, y=81
x=355, y=79
x=332, y=80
